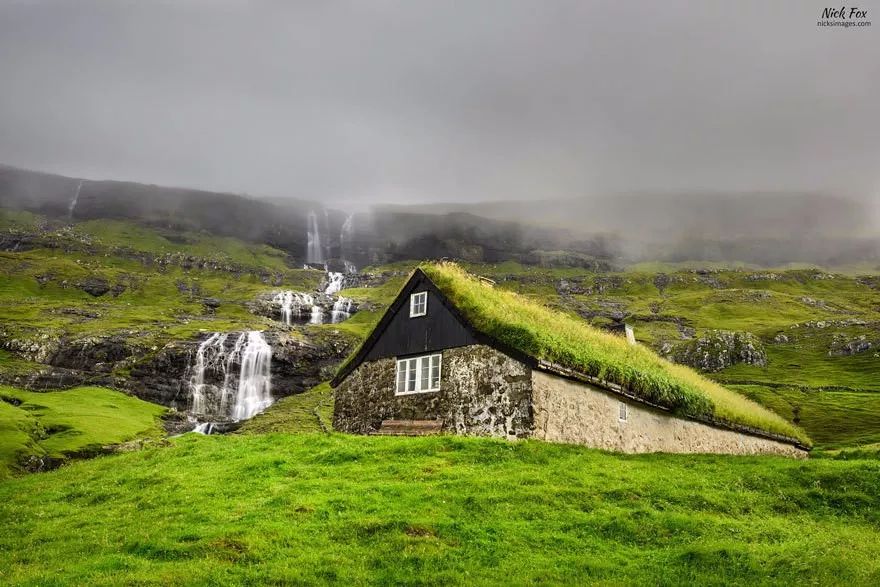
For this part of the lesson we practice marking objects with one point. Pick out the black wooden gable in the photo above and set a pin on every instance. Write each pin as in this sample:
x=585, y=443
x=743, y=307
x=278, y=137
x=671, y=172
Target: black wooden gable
x=442, y=327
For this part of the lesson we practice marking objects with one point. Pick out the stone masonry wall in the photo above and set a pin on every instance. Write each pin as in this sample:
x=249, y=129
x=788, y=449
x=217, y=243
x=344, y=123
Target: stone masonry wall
x=482, y=392
x=573, y=412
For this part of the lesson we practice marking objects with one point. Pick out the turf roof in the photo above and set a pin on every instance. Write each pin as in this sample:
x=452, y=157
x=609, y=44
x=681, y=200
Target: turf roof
x=566, y=340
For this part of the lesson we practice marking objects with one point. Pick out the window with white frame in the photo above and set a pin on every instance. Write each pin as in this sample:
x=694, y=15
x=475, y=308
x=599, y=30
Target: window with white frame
x=418, y=374
x=418, y=304
x=621, y=413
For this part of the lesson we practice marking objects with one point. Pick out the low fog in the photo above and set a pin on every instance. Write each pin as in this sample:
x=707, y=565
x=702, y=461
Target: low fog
x=353, y=103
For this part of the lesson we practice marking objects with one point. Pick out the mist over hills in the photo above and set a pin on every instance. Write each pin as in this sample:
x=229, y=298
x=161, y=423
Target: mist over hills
x=768, y=228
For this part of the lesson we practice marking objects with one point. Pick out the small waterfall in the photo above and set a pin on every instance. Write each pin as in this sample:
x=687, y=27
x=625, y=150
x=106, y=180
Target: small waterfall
x=315, y=251
x=204, y=428
x=317, y=315
x=293, y=304
x=335, y=282
x=74, y=200
x=231, y=393
x=345, y=235
x=341, y=310
x=350, y=267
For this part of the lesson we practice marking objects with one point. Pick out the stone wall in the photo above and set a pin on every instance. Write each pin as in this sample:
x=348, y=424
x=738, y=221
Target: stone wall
x=482, y=392
x=574, y=412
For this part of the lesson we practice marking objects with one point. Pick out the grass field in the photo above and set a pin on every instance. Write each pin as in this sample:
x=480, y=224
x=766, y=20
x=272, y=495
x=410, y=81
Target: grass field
x=313, y=509
x=61, y=424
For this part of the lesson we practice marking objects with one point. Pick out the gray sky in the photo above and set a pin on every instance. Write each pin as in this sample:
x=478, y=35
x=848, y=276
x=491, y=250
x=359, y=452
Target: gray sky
x=443, y=100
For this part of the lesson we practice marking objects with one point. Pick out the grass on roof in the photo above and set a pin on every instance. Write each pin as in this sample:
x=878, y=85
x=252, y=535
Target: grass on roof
x=567, y=340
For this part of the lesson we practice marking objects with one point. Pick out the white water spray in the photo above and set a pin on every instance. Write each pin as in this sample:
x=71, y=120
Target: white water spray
x=248, y=389
x=335, y=282
x=74, y=200
x=341, y=310
x=255, y=379
x=314, y=251
x=293, y=304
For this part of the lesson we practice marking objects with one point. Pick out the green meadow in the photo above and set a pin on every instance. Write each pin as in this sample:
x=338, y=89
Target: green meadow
x=315, y=509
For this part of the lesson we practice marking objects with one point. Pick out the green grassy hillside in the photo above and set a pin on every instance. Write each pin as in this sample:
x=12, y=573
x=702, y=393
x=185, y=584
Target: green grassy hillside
x=57, y=425
x=158, y=280
x=312, y=509
x=310, y=411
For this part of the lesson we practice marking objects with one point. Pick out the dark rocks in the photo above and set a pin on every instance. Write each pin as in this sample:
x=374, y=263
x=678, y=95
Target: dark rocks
x=94, y=286
x=719, y=349
x=843, y=346
x=661, y=281
x=93, y=354
x=211, y=304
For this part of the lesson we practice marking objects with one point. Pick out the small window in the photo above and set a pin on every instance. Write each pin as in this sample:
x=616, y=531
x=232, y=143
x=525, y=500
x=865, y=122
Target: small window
x=418, y=375
x=621, y=413
x=418, y=304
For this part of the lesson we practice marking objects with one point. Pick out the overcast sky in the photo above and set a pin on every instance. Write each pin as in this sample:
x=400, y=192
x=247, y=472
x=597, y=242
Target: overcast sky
x=442, y=101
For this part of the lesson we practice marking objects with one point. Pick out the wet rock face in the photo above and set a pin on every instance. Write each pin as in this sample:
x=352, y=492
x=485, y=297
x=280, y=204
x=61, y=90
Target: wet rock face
x=719, y=349
x=482, y=392
x=297, y=365
x=94, y=353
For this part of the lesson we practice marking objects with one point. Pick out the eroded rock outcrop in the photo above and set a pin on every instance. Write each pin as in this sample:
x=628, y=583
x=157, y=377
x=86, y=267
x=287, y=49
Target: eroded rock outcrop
x=719, y=349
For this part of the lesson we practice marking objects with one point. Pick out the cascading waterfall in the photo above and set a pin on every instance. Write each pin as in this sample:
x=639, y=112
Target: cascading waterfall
x=341, y=310
x=335, y=282
x=314, y=251
x=231, y=394
x=294, y=304
x=255, y=379
x=75, y=199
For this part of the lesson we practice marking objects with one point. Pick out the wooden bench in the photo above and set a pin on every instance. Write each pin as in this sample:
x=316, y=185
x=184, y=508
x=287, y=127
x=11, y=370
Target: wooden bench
x=410, y=427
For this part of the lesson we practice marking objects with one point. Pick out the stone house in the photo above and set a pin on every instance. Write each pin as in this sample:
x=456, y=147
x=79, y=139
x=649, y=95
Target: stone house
x=426, y=368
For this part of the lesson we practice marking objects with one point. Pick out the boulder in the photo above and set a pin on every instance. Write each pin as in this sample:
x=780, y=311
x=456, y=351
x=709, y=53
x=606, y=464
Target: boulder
x=719, y=349
x=843, y=346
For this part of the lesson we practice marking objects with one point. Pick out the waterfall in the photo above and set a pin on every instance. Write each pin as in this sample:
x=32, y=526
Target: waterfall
x=335, y=281
x=314, y=252
x=204, y=428
x=350, y=267
x=293, y=304
x=236, y=394
x=255, y=379
x=341, y=310
x=74, y=200
x=346, y=233
x=317, y=315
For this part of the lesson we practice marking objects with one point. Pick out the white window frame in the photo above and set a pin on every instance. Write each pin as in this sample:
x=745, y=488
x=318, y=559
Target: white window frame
x=408, y=377
x=416, y=300
x=622, y=412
